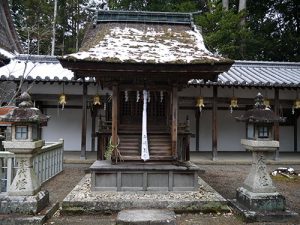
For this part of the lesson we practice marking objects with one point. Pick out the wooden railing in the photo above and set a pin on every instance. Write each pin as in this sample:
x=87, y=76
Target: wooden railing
x=47, y=163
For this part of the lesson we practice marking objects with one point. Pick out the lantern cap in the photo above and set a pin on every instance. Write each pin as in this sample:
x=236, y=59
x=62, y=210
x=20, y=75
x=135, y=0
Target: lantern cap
x=25, y=113
x=260, y=113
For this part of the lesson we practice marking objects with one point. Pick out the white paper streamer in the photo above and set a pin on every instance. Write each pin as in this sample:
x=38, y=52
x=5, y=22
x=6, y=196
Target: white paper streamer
x=145, y=150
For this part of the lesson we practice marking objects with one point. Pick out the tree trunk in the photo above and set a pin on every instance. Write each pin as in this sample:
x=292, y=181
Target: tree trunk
x=225, y=4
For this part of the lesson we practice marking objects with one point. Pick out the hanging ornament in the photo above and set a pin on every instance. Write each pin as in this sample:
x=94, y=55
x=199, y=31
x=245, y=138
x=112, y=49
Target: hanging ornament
x=62, y=101
x=297, y=104
x=233, y=104
x=267, y=103
x=148, y=96
x=97, y=97
x=97, y=100
x=161, y=96
x=126, y=96
x=137, y=96
x=200, y=103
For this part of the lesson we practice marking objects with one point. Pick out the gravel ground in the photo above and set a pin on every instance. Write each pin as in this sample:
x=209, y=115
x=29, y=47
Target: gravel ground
x=223, y=178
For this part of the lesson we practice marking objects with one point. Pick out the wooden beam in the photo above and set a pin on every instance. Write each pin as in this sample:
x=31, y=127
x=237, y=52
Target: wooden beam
x=276, y=125
x=83, y=122
x=214, y=124
x=197, y=114
x=114, y=130
x=174, y=120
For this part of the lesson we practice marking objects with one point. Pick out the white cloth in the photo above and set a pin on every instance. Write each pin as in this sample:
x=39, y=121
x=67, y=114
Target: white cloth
x=145, y=150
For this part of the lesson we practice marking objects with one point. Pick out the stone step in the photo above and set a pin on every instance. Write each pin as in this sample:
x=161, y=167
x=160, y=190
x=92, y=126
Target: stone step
x=145, y=217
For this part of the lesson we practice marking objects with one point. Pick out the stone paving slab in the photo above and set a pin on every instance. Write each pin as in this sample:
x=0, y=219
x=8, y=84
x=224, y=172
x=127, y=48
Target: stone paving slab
x=146, y=217
x=19, y=219
x=82, y=199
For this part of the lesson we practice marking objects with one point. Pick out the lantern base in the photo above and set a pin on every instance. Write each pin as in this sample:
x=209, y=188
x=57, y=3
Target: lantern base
x=29, y=205
x=257, y=207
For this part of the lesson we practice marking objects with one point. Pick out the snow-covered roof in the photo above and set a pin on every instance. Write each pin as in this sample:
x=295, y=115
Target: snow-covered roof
x=145, y=44
x=6, y=54
x=144, y=37
x=33, y=67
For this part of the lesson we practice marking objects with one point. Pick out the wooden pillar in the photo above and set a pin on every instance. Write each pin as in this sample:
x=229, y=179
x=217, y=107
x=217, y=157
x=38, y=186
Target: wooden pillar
x=197, y=114
x=93, y=133
x=174, y=120
x=214, y=124
x=114, y=128
x=276, y=125
x=83, y=121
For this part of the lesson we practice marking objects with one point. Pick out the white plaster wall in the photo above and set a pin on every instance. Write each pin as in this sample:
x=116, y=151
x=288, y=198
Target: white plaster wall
x=286, y=138
x=205, y=129
x=66, y=124
x=230, y=131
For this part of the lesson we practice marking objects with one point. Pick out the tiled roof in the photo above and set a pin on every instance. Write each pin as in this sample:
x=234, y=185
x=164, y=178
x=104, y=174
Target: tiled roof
x=258, y=73
x=241, y=73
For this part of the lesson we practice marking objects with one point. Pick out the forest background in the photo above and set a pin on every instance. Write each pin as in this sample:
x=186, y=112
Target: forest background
x=238, y=29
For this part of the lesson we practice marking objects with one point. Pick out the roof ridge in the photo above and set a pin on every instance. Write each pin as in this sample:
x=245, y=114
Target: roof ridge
x=238, y=63
x=37, y=58
x=143, y=17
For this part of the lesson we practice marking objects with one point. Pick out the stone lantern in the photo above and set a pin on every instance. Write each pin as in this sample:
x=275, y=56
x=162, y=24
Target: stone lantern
x=25, y=142
x=258, y=199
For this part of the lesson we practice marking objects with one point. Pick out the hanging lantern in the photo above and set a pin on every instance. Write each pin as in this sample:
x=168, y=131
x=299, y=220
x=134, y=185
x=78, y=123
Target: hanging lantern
x=62, y=101
x=161, y=96
x=137, y=96
x=126, y=96
x=267, y=103
x=200, y=103
x=148, y=96
x=297, y=104
x=233, y=104
x=97, y=100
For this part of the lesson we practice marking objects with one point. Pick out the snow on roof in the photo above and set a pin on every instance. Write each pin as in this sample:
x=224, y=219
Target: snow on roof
x=141, y=43
x=35, y=67
x=6, y=54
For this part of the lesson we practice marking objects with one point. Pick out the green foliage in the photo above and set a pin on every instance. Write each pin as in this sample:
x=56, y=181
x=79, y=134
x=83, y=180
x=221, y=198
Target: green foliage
x=157, y=5
x=276, y=27
x=224, y=34
x=271, y=30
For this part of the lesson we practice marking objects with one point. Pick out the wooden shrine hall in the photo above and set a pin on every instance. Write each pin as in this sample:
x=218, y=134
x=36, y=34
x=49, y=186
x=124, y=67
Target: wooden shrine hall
x=138, y=54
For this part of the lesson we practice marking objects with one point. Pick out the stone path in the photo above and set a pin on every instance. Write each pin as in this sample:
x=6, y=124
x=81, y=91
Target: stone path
x=146, y=217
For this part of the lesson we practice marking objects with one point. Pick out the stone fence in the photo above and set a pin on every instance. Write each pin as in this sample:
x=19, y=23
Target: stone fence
x=47, y=162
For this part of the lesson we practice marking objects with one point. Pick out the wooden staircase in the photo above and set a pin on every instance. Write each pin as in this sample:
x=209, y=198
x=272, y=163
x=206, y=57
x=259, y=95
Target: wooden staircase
x=159, y=147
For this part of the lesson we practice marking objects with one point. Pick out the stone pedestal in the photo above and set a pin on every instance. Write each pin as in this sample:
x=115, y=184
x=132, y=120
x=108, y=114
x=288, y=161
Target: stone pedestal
x=24, y=195
x=144, y=177
x=25, y=182
x=258, y=199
